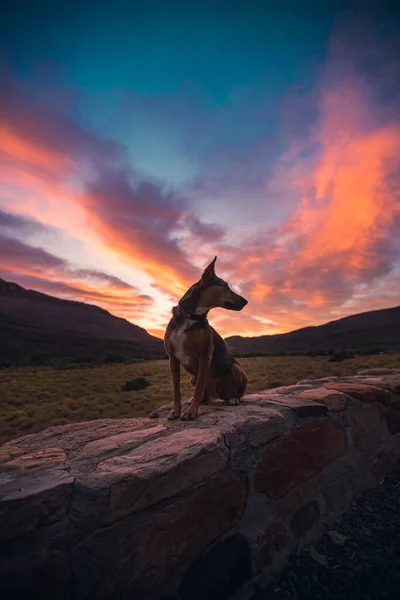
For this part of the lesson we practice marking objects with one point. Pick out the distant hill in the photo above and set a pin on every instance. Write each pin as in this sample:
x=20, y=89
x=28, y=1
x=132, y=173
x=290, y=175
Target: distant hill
x=376, y=329
x=32, y=323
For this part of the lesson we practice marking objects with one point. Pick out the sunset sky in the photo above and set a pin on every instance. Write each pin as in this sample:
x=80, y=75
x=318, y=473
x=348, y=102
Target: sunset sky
x=140, y=139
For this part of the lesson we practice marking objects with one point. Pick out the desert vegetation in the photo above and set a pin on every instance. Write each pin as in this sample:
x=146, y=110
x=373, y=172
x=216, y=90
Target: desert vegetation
x=33, y=398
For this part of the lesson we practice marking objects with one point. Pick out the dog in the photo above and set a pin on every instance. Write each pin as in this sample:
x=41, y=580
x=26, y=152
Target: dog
x=190, y=341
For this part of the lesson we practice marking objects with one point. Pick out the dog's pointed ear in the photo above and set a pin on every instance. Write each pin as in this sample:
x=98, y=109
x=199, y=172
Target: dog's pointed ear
x=209, y=272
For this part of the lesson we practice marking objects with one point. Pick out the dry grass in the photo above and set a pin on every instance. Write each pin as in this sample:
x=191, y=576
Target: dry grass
x=32, y=399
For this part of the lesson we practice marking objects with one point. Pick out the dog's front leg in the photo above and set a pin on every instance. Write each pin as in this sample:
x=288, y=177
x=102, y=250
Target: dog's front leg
x=200, y=389
x=175, y=369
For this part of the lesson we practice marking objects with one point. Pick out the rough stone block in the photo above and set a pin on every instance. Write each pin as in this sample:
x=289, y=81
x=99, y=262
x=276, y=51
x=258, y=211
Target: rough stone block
x=299, y=457
x=390, y=383
x=8, y=453
x=316, y=382
x=257, y=425
x=334, y=401
x=97, y=451
x=366, y=428
x=33, y=462
x=305, y=518
x=161, y=468
x=361, y=391
x=302, y=407
x=271, y=541
x=378, y=371
x=141, y=555
x=88, y=507
x=27, y=501
x=383, y=462
x=392, y=417
x=338, y=494
x=74, y=436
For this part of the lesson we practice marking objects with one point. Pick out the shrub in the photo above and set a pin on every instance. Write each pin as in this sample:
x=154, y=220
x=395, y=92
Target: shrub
x=113, y=357
x=339, y=355
x=134, y=385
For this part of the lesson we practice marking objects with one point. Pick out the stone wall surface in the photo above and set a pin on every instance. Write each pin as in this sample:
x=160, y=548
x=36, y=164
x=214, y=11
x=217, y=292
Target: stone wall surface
x=148, y=509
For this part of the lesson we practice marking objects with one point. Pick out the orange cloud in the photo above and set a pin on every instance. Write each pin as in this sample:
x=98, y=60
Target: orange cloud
x=138, y=247
x=260, y=291
x=350, y=206
x=31, y=153
x=32, y=266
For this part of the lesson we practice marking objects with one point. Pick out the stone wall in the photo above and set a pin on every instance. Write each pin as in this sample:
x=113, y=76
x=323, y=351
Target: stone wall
x=151, y=509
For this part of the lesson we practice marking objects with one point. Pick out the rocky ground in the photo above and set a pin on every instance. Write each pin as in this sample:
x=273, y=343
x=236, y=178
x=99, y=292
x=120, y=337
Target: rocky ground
x=358, y=558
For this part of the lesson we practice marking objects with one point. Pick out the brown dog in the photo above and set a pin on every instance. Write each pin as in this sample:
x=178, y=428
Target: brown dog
x=191, y=342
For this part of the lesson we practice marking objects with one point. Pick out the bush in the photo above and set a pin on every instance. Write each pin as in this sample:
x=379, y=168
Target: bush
x=339, y=355
x=134, y=385
x=113, y=357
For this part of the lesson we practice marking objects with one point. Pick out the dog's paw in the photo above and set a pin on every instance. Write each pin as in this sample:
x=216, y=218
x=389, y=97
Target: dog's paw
x=233, y=401
x=188, y=415
x=173, y=415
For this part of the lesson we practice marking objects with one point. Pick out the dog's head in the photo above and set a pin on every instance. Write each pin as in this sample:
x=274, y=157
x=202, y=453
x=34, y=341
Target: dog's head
x=212, y=292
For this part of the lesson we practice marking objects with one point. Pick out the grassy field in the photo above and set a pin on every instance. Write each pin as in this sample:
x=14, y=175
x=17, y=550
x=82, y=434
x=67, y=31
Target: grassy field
x=32, y=399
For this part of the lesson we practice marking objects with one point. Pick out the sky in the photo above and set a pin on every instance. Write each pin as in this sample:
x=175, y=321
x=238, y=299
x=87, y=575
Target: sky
x=140, y=139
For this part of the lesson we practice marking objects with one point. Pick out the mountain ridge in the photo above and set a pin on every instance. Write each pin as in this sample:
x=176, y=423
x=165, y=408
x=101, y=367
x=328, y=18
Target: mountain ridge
x=31, y=322
x=376, y=329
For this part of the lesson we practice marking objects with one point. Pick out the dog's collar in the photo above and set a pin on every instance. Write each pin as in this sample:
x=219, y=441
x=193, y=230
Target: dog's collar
x=181, y=312
x=192, y=316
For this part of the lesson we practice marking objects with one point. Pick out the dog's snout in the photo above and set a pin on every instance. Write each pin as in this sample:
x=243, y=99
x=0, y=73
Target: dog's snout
x=240, y=302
